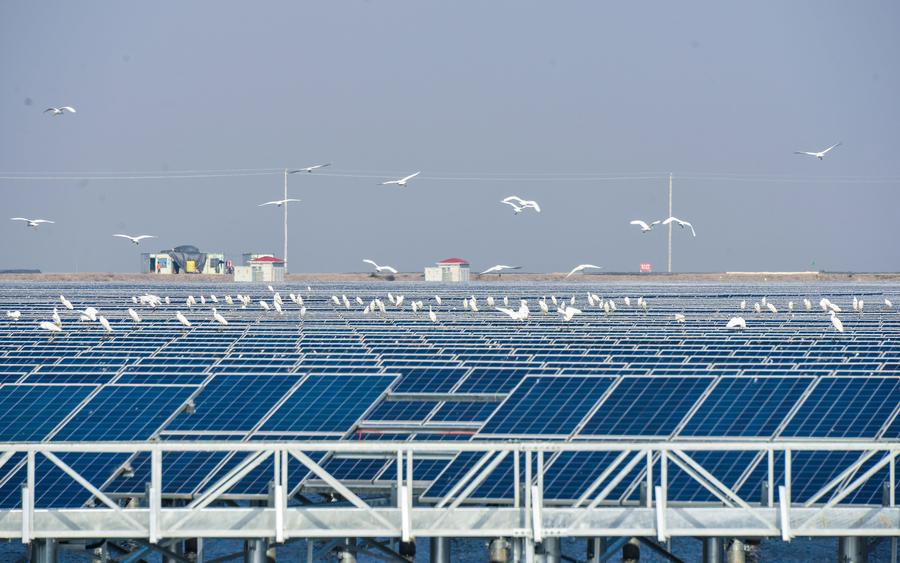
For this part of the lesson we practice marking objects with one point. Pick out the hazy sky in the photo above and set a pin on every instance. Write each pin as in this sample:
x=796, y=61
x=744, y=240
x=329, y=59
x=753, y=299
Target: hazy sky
x=458, y=90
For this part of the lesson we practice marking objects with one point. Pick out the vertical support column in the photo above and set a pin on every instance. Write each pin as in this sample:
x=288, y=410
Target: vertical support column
x=596, y=547
x=498, y=550
x=285, y=206
x=852, y=550
x=440, y=550
x=736, y=552
x=552, y=550
x=256, y=550
x=713, y=550
x=631, y=551
x=528, y=541
x=44, y=551
x=670, y=224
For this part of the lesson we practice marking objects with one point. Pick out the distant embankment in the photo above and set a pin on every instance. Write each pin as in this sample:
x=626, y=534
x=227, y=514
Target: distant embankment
x=19, y=271
x=605, y=277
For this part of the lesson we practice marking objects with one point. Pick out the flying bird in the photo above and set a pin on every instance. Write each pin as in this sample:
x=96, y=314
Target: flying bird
x=583, y=267
x=33, y=223
x=137, y=239
x=737, y=322
x=518, y=204
x=47, y=325
x=378, y=268
x=645, y=228
x=821, y=154
x=499, y=268
x=680, y=223
x=310, y=168
x=278, y=202
x=402, y=181
x=60, y=111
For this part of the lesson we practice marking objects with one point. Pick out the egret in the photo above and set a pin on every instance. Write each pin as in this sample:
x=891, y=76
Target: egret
x=137, y=239
x=432, y=315
x=134, y=316
x=737, y=323
x=821, y=154
x=302, y=312
x=263, y=305
x=402, y=181
x=60, y=111
x=278, y=308
x=90, y=313
x=807, y=304
x=756, y=308
x=743, y=305
x=772, y=308
x=56, y=320
x=33, y=223
x=218, y=318
x=359, y=300
x=278, y=202
x=66, y=303
x=490, y=300
x=543, y=306
x=627, y=301
x=104, y=323
x=437, y=299
x=336, y=301
x=838, y=325
x=202, y=300
x=47, y=325
x=499, y=268
x=679, y=317
x=229, y=300
x=582, y=267
x=182, y=319
x=378, y=268
x=14, y=315
x=645, y=227
x=347, y=302
x=887, y=303
x=213, y=298
x=270, y=288
x=311, y=168
x=518, y=204
x=569, y=312
x=680, y=223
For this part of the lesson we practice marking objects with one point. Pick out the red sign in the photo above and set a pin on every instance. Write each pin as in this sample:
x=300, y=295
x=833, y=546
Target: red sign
x=646, y=268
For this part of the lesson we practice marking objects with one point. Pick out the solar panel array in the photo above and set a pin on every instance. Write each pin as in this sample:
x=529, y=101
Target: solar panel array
x=340, y=374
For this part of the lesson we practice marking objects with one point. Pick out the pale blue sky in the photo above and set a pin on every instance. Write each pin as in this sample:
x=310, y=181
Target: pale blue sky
x=455, y=89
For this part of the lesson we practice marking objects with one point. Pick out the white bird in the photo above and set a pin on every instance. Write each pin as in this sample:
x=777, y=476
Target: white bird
x=359, y=300
x=438, y=300
x=311, y=168
x=543, y=306
x=627, y=301
x=821, y=154
x=837, y=322
x=583, y=267
x=680, y=223
x=263, y=305
x=887, y=303
x=229, y=300
x=380, y=268
x=518, y=204
x=47, y=325
x=346, y=301
x=202, y=300
x=302, y=312
x=679, y=317
x=473, y=305
x=104, y=323
x=743, y=305
x=134, y=316
x=60, y=111
x=645, y=228
x=213, y=298
x=569, y=312
x=190, y=301
x=278, y=307
x=90, y=313
x=791, y=307
x=278, y=202
x=182, y=319
x=14, y=315
x=56, y=319
x=402, y=181
x=772, y=308
x=756, y=308
x=33, y=223
x=432, y=315
x=137, y=239
x=499, y=268
x=490, y=300
x=855, y=305
x=807, y=304
x=737, y=322
x=218, y=317
x=66, y=303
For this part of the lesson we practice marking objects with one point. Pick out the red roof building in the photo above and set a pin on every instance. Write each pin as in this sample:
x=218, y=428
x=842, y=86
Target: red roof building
x=448, y=270
x=454, y=261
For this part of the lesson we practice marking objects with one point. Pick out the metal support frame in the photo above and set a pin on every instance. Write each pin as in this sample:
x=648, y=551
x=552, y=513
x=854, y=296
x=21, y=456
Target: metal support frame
x=526, y=519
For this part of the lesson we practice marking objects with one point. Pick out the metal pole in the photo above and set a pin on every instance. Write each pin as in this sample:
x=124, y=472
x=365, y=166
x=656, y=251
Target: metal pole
x=440, y=550
x=713, y=551
x=852, y=550
x=552, y=550
x=736, y=552
x=44, y=551
x=670, y=224
x=285, y=206
x=596, y=547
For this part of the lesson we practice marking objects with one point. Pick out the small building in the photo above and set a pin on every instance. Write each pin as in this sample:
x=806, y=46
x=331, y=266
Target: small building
x=449, y=270
x=261, y=268
x=184, y=259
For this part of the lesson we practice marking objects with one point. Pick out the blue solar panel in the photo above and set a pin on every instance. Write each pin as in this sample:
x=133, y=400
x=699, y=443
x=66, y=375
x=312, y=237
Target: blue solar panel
x=124, y=413
x=727, y=467
x=646, y=406
x=547, y=405
x=497, y=380
x=746, y=406
x=428, y=380
x=402, y=410
x=846, y=407
x=569, y=476
x=465, y=411
x=328, y=403
x=234, y=402
x=29, y=412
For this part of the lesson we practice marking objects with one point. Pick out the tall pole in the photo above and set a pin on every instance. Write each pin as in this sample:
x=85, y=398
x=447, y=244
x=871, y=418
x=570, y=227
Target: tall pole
x=285, y=205
x=670, y=224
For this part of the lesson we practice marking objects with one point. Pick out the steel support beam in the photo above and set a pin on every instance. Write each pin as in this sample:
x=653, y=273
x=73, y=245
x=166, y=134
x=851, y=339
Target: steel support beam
x=44, y=551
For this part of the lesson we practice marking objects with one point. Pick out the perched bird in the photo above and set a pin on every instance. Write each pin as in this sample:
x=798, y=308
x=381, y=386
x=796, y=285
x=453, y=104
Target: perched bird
x=263, y=305
x=378, y=268
x=680, y=223
x=33, y=223
x=134, y=316
x=743, y=305
x=66, y=303
x=104, y=323
x=137, y=239
x=302, y=312
x=278, y=202
x=278, y=308
x=182, y=319
x=499, y=268
x=60, y=111
x=218, y=317
x=229, y=300
x=90, y=313
x=310, y=168
x=402, y=181
x=772, y=308
x=821, y=154
x=645, y=228
x=836, y=322
x=736, y=323
x=51, y=327
x=518, y=204
x=569, y=312
x=437, y=299
x=887, y=303
x=580, y=268
x=519, y=315
x=807, y=304
x=679, y=317
x=56, y=319
x=543, y=306
x=432, y=315
x=14, y=315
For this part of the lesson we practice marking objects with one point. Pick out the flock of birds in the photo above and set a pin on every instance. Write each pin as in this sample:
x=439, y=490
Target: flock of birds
x=377, y=306
x=517, y=203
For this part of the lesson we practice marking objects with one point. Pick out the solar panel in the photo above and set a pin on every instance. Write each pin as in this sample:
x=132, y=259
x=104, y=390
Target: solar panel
x=846, y=407
x=29, y=412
